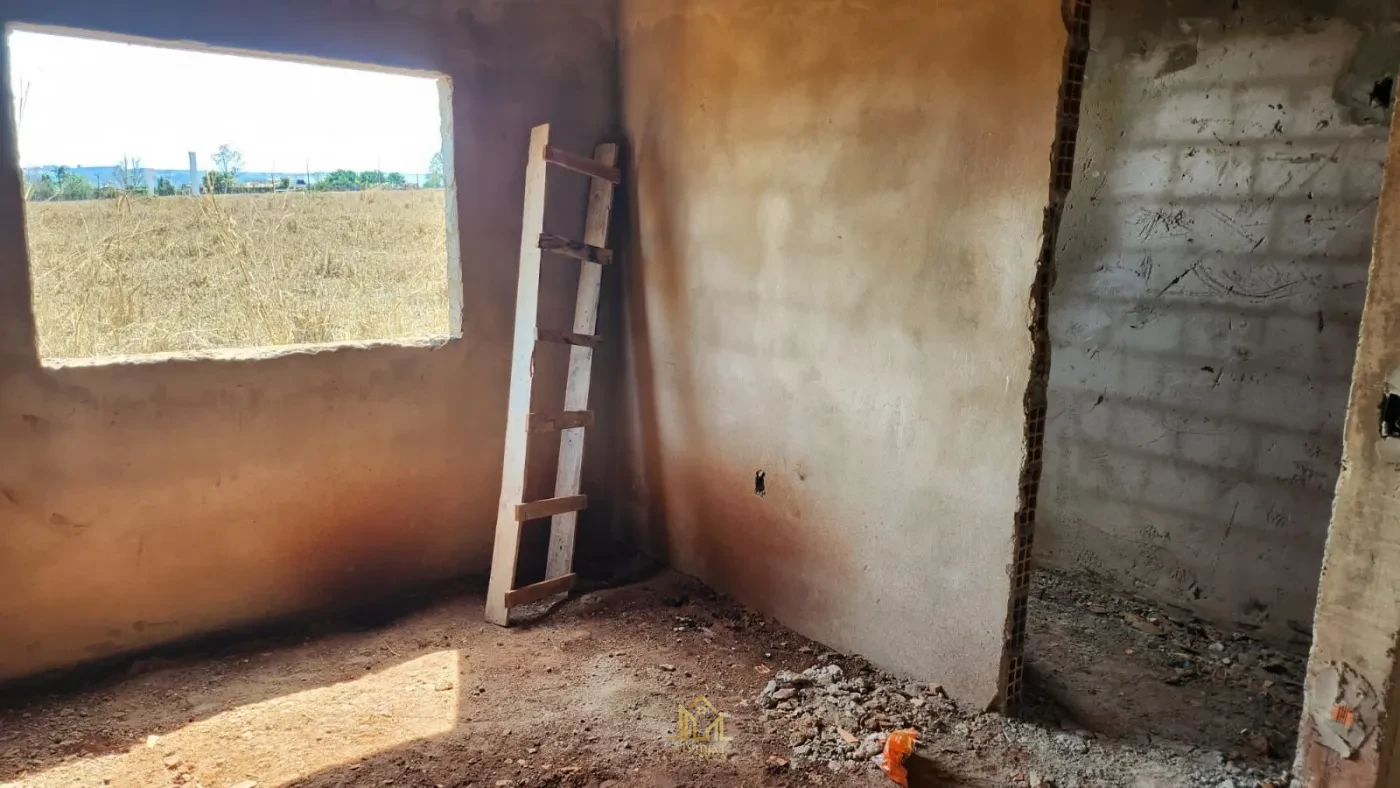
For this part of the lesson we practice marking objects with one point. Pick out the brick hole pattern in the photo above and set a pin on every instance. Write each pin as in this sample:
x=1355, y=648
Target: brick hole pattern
x=1061, y=176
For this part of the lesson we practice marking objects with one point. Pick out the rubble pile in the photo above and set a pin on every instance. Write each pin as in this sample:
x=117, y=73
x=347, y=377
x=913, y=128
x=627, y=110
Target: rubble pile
x=839, y=722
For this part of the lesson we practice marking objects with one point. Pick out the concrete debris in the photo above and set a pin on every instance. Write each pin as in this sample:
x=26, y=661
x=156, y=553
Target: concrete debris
x=1192, y=682
x=836, y=720
x=1343, y=708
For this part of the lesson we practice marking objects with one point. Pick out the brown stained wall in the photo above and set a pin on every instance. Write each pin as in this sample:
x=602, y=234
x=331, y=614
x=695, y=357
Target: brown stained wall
x=141, y=503
x=1358, y=621
x=837, y=211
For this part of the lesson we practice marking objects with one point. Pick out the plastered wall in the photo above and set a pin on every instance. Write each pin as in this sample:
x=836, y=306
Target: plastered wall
x=145, y=502
x=1358, y=621
x=1212, y=266
x=836, y=216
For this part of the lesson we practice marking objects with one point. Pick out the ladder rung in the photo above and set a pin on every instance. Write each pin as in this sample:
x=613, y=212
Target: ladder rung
x=565, y=420
x=549, y=507
x=537, y=591
x=582, y=164
x=550, y=242
x=567, y=337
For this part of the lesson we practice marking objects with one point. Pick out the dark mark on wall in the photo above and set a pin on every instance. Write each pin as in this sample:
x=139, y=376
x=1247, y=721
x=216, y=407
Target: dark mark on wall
x=1383, y=93
x=1177, y=280
x=58, y=519
x=759, y=484
x=1180, y=58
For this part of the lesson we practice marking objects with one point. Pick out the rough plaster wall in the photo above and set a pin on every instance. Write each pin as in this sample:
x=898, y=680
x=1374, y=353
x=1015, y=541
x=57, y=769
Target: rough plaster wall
x=141, y=503
x=1358, y=620
x=836, y=233
x=1212, y=266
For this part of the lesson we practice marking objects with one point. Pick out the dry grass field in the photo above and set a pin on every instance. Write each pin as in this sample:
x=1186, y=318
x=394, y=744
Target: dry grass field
x=150, y=275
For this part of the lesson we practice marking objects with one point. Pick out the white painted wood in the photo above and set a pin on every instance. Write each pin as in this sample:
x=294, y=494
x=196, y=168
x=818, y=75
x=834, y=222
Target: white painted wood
x=590, y=278
x=506, y=552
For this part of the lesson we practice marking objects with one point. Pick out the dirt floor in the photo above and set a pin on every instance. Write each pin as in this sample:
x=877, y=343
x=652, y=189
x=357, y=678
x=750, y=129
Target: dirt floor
x=587, y=693
x=1124, y=668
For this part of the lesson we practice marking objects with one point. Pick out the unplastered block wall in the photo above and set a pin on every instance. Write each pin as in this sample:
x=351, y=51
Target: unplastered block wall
x=144, y=502
x=1212, y=267
x=837, y=209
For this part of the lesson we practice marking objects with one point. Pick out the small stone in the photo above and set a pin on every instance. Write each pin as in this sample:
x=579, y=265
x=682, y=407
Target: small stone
x=789, y=679
x=775, y=763
x=869, y=748
x=669, y=668
x=1142, y=625
x=172, y=762
x=783, y=694
x=503, y=783
x=152, y=740
x=1218, y=647
x=245, y=784
x=443, y=685
x=1071, y=743
x=1037, y=781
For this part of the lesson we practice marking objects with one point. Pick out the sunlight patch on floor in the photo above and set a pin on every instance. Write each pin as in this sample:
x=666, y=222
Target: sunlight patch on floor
x=283, y=739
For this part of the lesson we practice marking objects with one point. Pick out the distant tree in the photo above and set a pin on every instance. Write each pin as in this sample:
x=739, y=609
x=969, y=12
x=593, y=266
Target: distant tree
x=395, y=180
x=129, y=175
x=41, y=188
x=164, y=188
x=371, y=178
x=228, y=160
x=435, y=179
x=340, y=181
x=284, y=182
x=219, y=182
x=73, y=186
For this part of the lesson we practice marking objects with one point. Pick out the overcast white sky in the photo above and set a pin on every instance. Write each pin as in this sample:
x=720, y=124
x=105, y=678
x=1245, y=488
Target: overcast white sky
x=88, y=103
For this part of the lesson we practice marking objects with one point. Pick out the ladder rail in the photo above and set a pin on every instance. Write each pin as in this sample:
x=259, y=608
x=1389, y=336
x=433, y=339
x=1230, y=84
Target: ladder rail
x=505, y=553
x=569, y=476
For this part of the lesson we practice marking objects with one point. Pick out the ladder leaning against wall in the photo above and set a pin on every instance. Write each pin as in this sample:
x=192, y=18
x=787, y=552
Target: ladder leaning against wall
x=592, y=255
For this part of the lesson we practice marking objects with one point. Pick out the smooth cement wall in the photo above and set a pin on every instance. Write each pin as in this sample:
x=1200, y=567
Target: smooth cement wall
x=837, y=209
x=145, y=502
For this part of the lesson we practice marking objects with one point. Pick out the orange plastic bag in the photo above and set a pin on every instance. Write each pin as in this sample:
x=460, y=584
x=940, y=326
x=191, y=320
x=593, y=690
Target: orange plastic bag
x=898, y=747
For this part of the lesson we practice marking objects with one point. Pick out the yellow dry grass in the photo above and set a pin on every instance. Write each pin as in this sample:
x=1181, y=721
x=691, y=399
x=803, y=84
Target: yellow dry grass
x=151, y=275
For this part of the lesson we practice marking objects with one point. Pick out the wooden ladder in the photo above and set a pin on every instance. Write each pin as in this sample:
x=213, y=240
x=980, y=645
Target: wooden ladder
x=592, y=254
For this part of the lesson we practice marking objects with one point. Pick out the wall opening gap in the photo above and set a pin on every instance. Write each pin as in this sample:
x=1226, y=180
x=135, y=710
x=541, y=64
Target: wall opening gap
x=1190, y=451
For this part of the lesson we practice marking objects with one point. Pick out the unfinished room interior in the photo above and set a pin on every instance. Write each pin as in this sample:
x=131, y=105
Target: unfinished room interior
x=699, y=392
